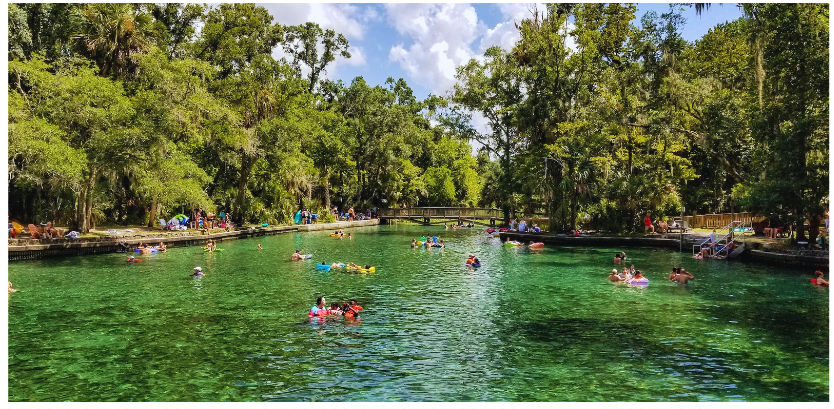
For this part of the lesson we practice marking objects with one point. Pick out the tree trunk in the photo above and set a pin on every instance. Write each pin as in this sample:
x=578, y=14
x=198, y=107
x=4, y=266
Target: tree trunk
x=327, y=188
x=84, y=204
x=245, y=171
x=814, y=228
x=154, y=204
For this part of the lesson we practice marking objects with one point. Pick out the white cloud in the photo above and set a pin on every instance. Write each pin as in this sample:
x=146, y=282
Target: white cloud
x=442, y=35
x=446, y=36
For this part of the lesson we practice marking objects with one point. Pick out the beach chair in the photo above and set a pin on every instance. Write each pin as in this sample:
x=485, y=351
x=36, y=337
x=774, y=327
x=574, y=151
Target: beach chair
x=34, y=231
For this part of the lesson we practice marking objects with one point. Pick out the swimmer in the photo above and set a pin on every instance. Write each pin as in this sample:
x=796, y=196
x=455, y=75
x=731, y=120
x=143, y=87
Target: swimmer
x=296, y=256
x=337, y=265
x=614, y=277
x=161, y=247
x=259, y=246
x=353, y=266
x=350, y=237
x=334, y=309
x=132, y=259
x=414, y=243
x=476, y=263
x=356, y=307
x=617, y=258
x=639, y=278
x=198, y=272
x=683, y=276
x=318, y=310
x=820, y=278
x=470, y=260
x=11, y=290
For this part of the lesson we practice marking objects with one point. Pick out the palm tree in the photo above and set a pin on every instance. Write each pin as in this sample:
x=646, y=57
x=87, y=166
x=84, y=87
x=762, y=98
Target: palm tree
x=112, y=34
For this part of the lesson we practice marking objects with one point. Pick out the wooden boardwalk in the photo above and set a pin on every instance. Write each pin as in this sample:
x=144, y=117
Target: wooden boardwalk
x=441, y=215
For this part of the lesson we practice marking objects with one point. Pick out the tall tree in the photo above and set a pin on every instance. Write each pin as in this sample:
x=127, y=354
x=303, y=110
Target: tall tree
x=302, y=43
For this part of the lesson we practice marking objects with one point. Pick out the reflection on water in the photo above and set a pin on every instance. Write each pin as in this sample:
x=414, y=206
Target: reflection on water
x=542, y=325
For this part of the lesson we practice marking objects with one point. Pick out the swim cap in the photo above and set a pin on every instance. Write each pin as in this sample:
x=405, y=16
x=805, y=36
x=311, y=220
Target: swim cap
x=198, y=268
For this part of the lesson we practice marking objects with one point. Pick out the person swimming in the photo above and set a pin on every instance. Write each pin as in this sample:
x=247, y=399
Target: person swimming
x=132, y=259
x=614, y=276
x=198, y=272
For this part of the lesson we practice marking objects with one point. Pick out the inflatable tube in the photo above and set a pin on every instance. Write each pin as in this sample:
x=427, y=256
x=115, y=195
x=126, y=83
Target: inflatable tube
x=140, y=250
x=215, y=250
x=334, y=235
x=537, y=245
x=323, y=267
x=511, y=244
x=306, y=256
x=476, y=265
x=490, y=230
x=370, y=270
x=814, y=282
x=643, y=280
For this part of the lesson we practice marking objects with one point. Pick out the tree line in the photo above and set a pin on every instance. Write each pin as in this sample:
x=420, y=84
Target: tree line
x=124, y=113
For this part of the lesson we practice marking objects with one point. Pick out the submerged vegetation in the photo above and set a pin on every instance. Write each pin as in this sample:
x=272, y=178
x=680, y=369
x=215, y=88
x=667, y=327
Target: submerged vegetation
x=121, y=112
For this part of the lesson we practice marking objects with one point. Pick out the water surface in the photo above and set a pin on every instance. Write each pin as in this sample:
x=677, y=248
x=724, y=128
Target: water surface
x=528, y=326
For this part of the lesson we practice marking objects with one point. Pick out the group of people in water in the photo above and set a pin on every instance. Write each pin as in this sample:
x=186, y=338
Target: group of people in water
x=349, y=310
x=341, y=235
x=630, y=275
x=427, y=242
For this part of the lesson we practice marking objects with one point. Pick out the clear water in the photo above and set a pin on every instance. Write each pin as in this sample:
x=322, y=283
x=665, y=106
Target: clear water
x=528, y=326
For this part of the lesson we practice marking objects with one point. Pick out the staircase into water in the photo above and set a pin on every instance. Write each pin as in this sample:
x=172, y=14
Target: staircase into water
x=735, y=233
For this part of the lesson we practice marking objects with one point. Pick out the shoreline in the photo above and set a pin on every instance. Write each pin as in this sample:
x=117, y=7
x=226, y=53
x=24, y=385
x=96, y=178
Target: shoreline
x=184, y=238
x=659, y=240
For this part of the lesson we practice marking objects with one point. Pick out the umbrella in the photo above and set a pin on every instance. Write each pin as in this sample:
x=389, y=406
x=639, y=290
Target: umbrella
x=18, y=228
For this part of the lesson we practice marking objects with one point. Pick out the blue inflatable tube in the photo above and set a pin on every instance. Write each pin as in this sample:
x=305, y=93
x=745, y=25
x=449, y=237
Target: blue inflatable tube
x=139, y=251
x=323, y=267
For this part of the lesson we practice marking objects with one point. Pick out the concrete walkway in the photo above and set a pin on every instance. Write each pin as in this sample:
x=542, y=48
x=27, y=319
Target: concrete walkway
x=35, y=249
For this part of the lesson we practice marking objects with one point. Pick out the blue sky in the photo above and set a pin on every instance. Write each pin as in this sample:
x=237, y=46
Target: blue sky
x=424, y=42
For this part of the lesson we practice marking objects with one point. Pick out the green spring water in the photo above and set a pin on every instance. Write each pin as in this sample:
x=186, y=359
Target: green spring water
x=527, y=326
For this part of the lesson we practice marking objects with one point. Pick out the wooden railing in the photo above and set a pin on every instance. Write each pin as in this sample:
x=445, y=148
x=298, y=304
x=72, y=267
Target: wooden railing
x=441, y=212
x=717, y=221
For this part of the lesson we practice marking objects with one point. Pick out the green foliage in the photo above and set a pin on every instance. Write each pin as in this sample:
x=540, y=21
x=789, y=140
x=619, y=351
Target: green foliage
x=122, y=113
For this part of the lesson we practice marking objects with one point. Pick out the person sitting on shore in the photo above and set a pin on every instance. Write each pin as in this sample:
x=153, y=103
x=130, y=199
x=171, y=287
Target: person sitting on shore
x=319, y=309
x=614, y=276
x=198, y=272
x=296, y=256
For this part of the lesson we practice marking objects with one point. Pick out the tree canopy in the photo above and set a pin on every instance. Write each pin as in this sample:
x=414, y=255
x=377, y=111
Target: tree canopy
x=123, y=113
